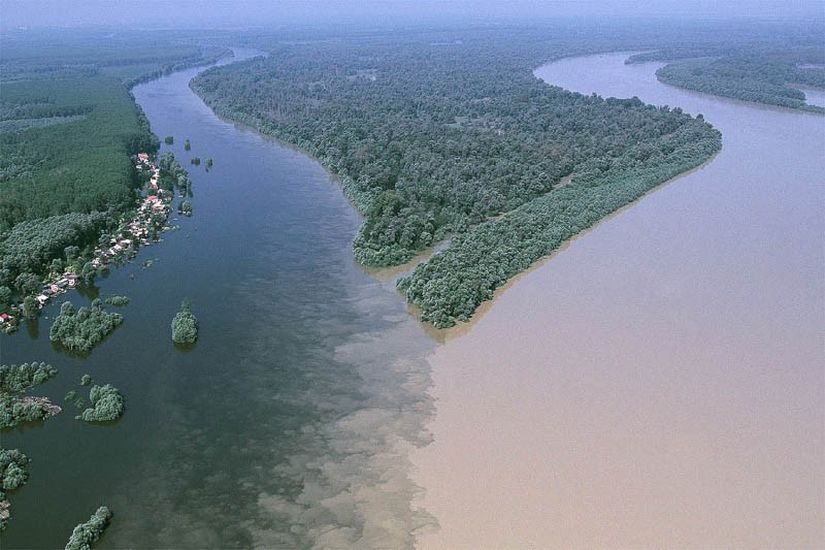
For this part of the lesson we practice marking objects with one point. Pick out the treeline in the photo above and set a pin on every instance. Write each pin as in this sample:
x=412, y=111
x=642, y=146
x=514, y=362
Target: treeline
x=450, y=286
x=80, y=166
x=758, y=74
x=130, y=55
x=431, y=141
x=30, y=247
x=69, y=128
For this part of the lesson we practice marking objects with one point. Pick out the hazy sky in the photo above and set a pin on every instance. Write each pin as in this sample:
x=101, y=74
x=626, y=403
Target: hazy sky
x=228, y=13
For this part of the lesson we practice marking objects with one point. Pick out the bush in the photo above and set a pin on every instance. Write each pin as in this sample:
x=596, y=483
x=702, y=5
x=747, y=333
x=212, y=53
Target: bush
x=86, y=534
x=83, y=329
x=107, y=404
x=184, y=325
x=117, y=300
x=19, y=378
x=13, y=474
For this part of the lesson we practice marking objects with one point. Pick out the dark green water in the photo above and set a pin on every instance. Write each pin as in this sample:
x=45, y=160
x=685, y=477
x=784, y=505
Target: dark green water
x=289, y=422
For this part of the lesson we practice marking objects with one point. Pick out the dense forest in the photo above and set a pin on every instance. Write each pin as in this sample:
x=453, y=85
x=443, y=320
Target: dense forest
x=434, y=139
x=762, y=74
x=68, y=127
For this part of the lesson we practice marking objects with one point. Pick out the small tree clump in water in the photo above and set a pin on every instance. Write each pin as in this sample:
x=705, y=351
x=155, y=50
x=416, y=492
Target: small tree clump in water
x=184, y=325
x=83, y=329
x=107, y=404
x=85, y=534
x=116, y=300
x=13, y=474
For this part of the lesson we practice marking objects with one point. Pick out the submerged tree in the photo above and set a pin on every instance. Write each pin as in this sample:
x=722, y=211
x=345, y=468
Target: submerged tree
x=17, y=408
x=13, y=474
x=107, y=404
x=184, y=325
x=83, y=329
x=86, y=534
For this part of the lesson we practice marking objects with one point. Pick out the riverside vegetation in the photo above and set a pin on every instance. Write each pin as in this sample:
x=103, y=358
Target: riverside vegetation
x=69, y=129
x=432, y=140
x=760, y=73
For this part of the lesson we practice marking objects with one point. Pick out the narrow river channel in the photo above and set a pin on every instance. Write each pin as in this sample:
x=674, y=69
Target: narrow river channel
x=659, y=382
x=291, y=418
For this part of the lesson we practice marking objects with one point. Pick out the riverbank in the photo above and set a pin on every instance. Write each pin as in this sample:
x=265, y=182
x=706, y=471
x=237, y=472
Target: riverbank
x=644, y=400
x=137, y=230
x=319, y=398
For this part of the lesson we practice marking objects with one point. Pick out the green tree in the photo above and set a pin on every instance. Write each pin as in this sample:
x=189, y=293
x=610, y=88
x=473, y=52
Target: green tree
x=5, y=297
x=27, y=283
x=30, y=307
x=184, y=325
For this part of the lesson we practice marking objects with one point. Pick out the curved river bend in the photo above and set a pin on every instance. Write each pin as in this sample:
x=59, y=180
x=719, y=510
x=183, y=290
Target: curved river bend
x=290, y=420
x=660, y=382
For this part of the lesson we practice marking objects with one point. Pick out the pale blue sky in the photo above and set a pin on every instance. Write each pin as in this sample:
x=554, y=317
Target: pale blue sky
x=226, y=13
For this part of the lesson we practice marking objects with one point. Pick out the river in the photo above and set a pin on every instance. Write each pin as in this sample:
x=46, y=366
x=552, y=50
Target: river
x=289, y=421
x=660, y=381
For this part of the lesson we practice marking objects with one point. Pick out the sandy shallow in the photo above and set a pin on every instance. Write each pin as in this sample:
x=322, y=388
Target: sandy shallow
x=659, y=382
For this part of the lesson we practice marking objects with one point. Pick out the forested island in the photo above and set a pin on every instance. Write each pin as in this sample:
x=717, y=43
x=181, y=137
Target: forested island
x=763, y=74
x=79, y=330
x=444, y=143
